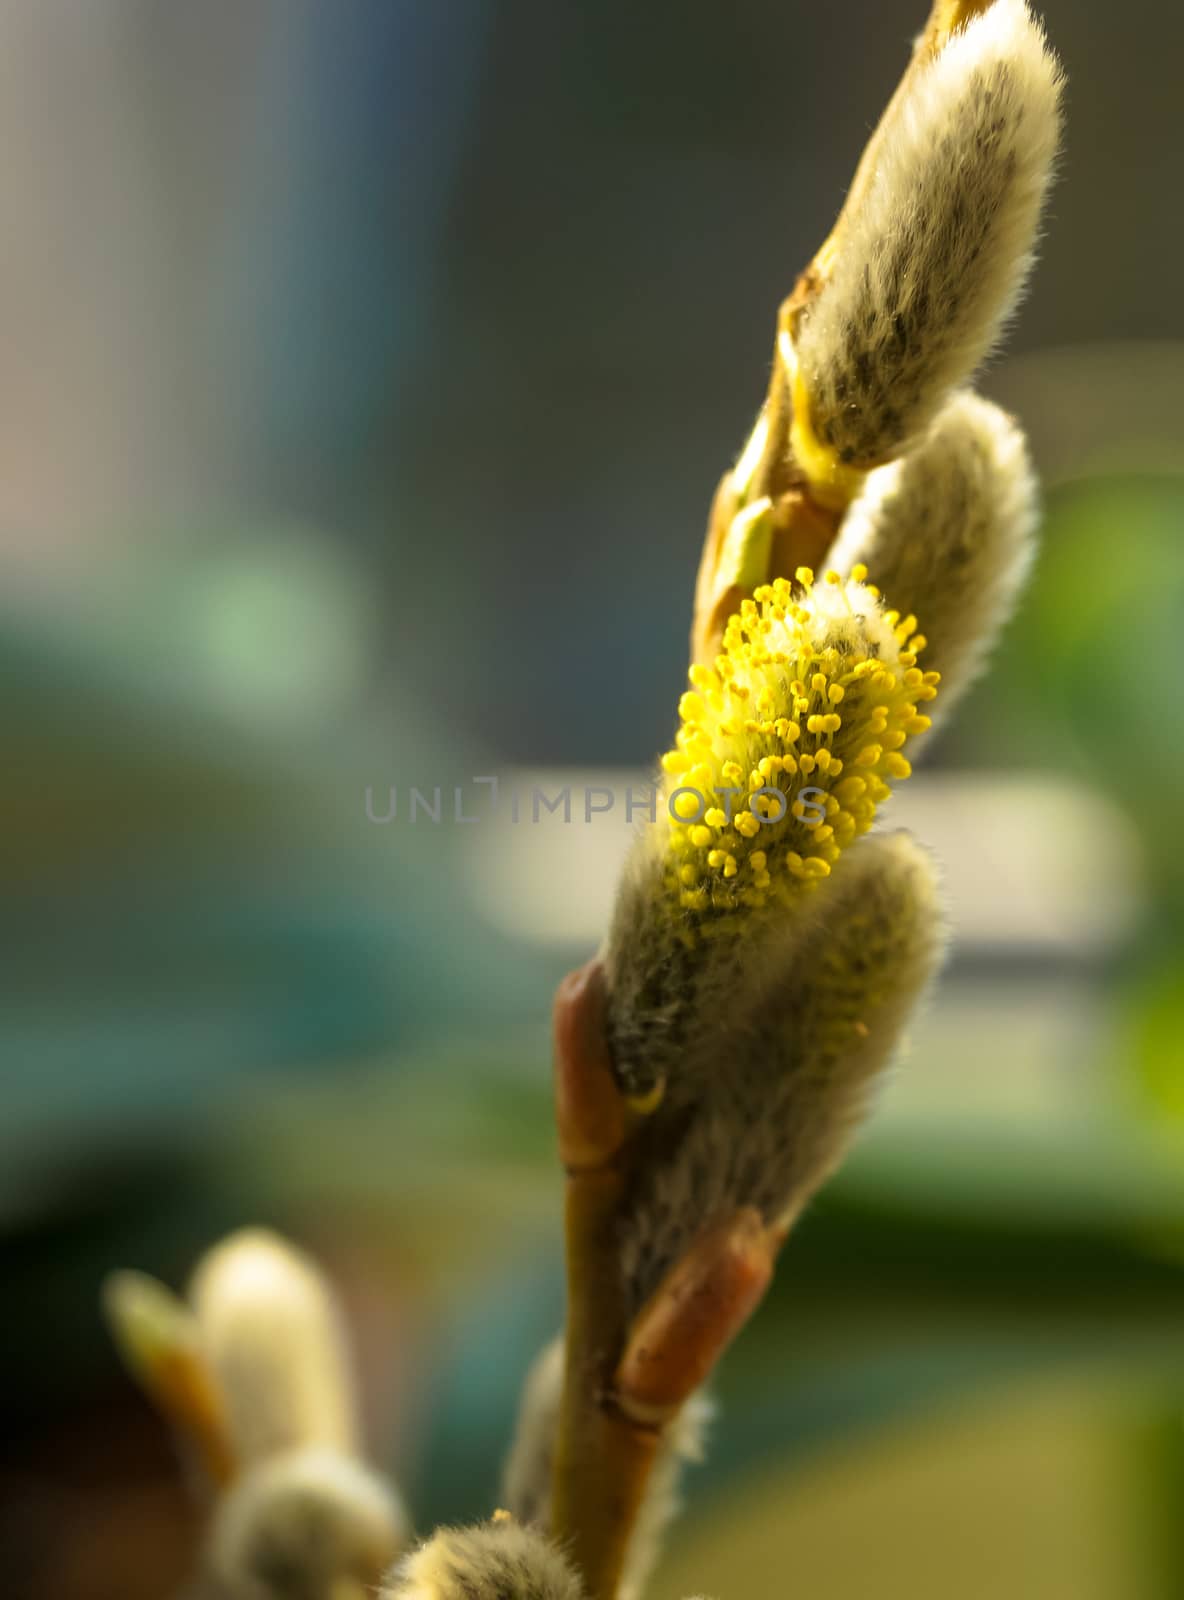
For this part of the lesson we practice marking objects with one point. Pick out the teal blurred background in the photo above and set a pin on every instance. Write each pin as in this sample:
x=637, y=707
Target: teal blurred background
x=368, y=371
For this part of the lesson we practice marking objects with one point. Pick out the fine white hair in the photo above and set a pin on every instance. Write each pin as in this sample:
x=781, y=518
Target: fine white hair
x=931, y=258
x=948, y=533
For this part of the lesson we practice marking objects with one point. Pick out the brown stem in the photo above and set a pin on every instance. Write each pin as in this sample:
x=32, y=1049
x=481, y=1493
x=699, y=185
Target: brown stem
x=626, y=1378
x=603, y=1460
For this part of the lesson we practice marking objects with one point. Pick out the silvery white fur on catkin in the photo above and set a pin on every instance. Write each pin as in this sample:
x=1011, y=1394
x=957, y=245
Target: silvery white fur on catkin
x=494, y=1561
x=782, y=1099
x=948, y=533
x=275, y=1339
x=291, y=1527
x=666, y=998
x=933, y=260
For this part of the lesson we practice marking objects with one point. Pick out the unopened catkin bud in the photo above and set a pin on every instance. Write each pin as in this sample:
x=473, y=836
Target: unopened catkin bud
x=274, y=1338
x=306, y=1525
x=253, y=1370
x=948, y=533
x=792, y=1072
x=930, y=258
x=498, y=1560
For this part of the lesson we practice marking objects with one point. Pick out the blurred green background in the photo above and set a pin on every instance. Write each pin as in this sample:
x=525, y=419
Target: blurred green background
x=368, y=371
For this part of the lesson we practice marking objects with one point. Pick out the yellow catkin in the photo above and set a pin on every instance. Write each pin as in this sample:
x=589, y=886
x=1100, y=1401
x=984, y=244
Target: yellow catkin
x=787, y=746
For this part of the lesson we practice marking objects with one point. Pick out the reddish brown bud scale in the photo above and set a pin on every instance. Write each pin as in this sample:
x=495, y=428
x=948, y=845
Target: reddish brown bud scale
x=699, y=1308
x=590, y=1114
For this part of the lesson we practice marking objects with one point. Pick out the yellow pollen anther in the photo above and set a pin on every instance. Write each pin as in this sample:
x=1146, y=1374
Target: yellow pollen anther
x=790, y=658
x=642, y=1105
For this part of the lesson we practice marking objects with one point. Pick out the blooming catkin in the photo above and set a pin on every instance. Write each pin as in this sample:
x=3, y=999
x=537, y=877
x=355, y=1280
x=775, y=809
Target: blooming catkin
x=949, y=533
x=932, y=257
x=273, y=1335
x=498, y=1560
x=792, y=1070
x=787, y=747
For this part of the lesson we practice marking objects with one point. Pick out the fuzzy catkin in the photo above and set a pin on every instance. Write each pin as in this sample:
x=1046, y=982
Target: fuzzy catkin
x=498, y=1560
x=273, y=1335
x=933, y=258
x=793, y=1068
x=948, y=532
x=306, y=1525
